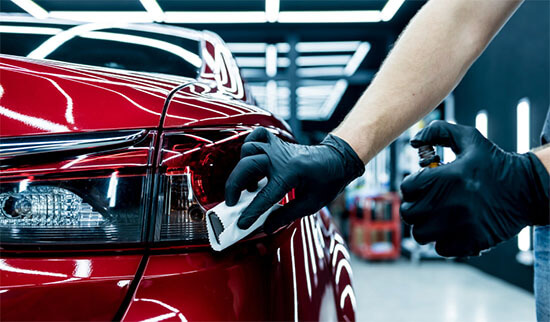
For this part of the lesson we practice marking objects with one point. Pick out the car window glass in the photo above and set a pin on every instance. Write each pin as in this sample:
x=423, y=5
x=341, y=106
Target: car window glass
x=133, y=50
x=20, y=44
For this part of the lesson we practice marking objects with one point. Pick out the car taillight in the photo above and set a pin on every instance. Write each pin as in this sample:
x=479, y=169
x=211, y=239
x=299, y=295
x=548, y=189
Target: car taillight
x=194, y=166
x=86, y=197
x=109, y=193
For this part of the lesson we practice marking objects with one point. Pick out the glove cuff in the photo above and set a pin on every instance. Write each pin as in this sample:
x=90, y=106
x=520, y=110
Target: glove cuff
x=541, y=186
x=353, y=164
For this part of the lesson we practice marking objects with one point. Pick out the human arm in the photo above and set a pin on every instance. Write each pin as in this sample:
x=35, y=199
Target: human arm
x=543, y=153
x=484, y=197
x=429, y=59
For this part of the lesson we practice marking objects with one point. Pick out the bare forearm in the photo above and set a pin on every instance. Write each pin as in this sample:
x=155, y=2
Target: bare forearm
x=429, y=59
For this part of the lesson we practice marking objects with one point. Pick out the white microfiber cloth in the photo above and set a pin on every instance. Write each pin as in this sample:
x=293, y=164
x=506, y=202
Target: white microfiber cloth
x=221, y=221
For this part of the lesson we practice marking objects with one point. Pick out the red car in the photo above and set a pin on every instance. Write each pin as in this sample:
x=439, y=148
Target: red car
x=106, y=174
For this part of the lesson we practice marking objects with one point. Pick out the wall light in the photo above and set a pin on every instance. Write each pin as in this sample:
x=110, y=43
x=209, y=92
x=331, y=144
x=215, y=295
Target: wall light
x=481, y=122
x=522, y=146
x=32, y=8
x=271, y=60
x=523, y=126
x=524, y=239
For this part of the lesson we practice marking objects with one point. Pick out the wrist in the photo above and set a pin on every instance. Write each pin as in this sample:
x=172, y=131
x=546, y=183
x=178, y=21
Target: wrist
x=352, y=163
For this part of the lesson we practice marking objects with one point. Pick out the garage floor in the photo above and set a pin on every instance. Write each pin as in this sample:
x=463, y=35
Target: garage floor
x=436, y=291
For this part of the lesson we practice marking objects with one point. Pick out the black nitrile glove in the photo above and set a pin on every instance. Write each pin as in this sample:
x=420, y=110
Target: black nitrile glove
x=316, y=172
x=484, y=197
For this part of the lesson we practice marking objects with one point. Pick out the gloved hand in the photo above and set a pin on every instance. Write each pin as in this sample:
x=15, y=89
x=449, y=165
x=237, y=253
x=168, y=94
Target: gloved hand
x=484, y=197
x=316, y=172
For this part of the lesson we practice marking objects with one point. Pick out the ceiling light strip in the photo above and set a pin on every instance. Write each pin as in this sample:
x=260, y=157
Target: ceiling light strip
x=272, y=10
x=154, y=10
x=32, y=8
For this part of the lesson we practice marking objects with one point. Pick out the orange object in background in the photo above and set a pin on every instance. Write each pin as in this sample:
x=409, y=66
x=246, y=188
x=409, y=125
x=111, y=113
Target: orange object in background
x=375, y=227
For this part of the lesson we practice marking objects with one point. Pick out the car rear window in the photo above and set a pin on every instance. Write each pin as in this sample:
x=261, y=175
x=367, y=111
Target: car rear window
x=116, y=48
x=20, y=44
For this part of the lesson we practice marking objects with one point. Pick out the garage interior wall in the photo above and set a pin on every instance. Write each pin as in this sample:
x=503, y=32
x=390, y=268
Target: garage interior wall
x=514, y=66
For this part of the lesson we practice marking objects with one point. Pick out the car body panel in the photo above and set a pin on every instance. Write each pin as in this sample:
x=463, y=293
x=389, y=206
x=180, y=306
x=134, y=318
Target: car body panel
x=297, y=274
x=300, y=273
x=85, y=98
x=65, y=288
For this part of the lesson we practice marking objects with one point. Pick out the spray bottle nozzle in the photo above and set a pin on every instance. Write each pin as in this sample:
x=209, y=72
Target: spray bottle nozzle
x=428, y=157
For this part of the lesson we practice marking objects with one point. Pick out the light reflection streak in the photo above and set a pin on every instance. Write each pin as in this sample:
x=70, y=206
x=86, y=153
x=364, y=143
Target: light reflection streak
x=174, y=312
x=32, y=121
x=111, y=192
x=315, y=231
x=310, y=244
x=306, y=266
x=295, y=289
x=343, y=264
x=339, y=248
x=23, y=184
x=348, y=292
x=8, y=268
x=47, y=125
x=70, y=164
x=69, y=108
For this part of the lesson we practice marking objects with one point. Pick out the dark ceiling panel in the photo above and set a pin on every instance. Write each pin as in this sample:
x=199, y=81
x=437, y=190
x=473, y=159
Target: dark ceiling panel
x=91, y=5
x=8, y=6
x=299, y=5
x=212, y=5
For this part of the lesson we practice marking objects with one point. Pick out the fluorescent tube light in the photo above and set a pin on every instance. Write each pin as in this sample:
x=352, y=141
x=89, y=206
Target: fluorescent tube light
x=103, y=16
x=271, y=61
x=247, y=47
x=272, y=10
x=214, y=16
x=524, y=239
x=320, y=71
x=154, y=10
x=330, y=16
x=254, y=62
x=481, y=122
x=390, y=9
x=323, y=60
x=332, y=101
x=29, y=30
x=523, y=126
x=327, y=46
x=32, y=8
x=357, y=58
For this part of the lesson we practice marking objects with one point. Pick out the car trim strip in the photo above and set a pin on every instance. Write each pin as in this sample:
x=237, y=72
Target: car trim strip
x=24, y=146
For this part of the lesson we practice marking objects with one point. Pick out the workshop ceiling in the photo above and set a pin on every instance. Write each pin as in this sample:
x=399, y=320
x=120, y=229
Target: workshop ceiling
x=368, y=24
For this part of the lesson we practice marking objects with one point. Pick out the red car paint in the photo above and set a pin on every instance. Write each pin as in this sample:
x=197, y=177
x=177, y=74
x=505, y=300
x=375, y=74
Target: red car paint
x=300, y=273
x=64, y=288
